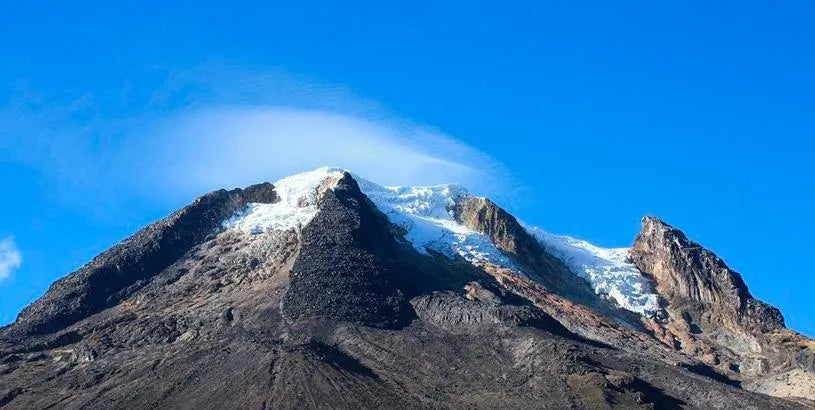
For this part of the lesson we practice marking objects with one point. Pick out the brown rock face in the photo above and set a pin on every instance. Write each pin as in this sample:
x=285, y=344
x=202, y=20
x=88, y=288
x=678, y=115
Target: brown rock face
x=483, y=215
x=713, y=316
x=504, y=230
x=688, y=275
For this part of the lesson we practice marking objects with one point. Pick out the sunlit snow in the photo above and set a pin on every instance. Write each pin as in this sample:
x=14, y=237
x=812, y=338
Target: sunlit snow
x=296, y=207
x=608, y=270
x=426, y=215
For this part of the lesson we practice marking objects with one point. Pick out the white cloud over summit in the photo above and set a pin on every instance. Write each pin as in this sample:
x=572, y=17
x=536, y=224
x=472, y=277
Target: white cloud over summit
x=231, y=146
x=221, y=127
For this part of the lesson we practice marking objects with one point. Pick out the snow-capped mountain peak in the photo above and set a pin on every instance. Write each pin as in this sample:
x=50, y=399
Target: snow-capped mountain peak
x=426, y=215
x=305, y=278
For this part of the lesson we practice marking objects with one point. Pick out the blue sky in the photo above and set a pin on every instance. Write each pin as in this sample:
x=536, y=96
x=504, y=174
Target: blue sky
x=580, y=118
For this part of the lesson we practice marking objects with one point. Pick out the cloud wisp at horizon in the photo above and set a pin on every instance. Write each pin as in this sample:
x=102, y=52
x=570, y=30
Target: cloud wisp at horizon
x=10, y=258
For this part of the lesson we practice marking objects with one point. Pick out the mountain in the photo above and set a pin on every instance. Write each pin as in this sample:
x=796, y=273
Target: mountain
x=328, y=290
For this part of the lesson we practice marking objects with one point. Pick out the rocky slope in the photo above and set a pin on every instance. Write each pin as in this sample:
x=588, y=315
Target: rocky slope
x=714, y=317
x=326, y=290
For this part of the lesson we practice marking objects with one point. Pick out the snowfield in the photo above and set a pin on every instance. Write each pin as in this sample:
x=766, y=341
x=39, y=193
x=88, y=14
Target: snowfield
x=296, y=208
x=608, y=270
x=426, y=215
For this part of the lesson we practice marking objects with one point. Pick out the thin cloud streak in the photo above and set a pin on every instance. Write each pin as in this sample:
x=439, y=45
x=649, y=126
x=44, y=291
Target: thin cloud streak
x=10, y=258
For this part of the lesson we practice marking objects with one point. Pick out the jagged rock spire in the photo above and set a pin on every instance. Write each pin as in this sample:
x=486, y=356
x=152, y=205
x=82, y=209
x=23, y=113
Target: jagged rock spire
x=687, y=274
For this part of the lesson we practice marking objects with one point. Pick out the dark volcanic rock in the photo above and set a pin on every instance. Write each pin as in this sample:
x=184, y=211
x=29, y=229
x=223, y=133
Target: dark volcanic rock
x=345, y=270
x=123, y=269
x=455, y=313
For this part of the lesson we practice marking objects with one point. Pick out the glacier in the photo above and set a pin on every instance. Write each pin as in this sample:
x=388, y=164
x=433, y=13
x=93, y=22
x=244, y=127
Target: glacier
x=425, y=214
x=297, y=206
x=609, y=271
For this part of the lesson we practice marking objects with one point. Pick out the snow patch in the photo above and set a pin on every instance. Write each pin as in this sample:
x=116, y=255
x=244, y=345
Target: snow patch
x=609, y=271
x=297, y=204
x=426, y=215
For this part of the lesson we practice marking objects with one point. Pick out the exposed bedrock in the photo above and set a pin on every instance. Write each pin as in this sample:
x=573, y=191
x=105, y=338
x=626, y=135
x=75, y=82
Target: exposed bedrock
x=713, y=315
x=688, y=275
x=345, y=270
x=483, y=215
x=342, y=311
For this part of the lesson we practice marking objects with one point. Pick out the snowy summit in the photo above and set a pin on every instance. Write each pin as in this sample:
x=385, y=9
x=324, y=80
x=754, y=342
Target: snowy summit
x=425, y=213
x=296, y=207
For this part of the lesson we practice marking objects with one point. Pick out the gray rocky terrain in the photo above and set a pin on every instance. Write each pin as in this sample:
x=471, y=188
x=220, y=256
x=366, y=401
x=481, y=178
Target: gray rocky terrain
x=344, y=313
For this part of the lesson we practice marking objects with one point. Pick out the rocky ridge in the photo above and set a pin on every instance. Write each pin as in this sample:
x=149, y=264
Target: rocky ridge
x=714, y=317
x=344, y=311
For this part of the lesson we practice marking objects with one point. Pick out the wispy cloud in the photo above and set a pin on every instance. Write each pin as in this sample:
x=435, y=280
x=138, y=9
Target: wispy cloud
x=229, y=146
x=216, y=127
x=10, y=258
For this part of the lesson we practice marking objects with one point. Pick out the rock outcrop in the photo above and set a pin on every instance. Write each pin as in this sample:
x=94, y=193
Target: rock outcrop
x=483, y=215
x=713, y=316
x=345, y=269
x=504, y=230
x=709, y=293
